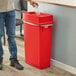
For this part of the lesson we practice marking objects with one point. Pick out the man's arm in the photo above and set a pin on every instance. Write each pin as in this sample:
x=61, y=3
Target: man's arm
x=33, y=3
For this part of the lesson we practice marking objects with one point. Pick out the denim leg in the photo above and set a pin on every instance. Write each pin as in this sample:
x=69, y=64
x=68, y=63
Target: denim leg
x=1, y=33
x=10, y=23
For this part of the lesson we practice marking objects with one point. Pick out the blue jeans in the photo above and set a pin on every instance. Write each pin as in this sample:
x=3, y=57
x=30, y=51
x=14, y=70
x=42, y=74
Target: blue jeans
x=8, y=20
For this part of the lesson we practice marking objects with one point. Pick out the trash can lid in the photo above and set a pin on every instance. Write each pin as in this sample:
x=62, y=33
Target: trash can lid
x=39, y=19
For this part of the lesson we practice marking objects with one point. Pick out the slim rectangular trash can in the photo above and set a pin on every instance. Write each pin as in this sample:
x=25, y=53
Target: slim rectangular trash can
x=37, y=39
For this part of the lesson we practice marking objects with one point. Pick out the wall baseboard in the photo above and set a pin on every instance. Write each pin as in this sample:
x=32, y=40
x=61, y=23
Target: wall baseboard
x=63, y=66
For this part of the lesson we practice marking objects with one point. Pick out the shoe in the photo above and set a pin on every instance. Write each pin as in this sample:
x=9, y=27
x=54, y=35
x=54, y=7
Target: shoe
x=15, y=63
x=1, y=64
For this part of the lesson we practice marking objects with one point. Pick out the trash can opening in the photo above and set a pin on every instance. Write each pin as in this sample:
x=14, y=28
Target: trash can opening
x=31, y=13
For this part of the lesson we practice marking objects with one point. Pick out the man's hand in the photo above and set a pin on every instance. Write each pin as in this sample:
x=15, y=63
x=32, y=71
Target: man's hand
x=33, y=3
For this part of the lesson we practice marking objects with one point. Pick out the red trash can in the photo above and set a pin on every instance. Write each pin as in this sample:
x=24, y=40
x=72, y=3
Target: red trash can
x=37, y=39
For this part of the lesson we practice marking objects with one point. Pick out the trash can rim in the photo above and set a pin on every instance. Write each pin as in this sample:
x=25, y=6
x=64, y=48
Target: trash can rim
x=37, y=24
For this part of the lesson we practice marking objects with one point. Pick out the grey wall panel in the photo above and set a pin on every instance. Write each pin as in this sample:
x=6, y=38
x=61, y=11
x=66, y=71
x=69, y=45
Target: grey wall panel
x=64, y=32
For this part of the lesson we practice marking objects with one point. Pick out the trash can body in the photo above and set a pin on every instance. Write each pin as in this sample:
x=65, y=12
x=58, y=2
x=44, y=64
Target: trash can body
x=37, y=40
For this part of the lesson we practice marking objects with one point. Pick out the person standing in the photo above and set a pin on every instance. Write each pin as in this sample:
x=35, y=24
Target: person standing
x=8, y=19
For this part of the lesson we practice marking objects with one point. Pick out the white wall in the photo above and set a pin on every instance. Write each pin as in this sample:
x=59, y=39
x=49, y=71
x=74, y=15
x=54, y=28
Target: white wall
x=64, y=2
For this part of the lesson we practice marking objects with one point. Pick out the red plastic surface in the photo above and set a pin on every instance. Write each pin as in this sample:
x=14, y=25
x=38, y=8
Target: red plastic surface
x=37, y=41
x=41, y=19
